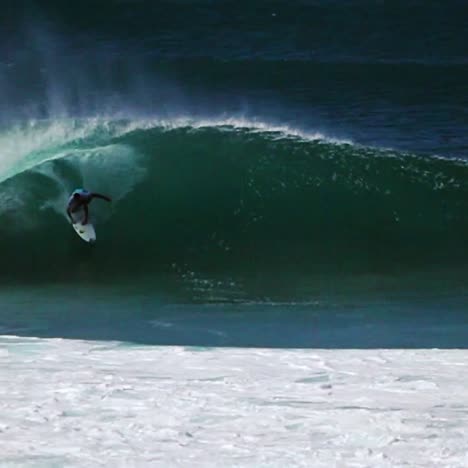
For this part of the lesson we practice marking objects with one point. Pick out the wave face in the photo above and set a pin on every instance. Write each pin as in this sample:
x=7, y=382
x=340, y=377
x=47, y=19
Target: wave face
x=225, y=196
x=233, y=137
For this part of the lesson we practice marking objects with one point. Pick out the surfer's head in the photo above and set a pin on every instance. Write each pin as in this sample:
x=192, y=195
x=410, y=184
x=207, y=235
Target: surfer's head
x=76, y=196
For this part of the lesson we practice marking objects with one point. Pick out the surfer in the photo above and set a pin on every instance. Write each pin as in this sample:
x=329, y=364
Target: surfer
x=81, y=198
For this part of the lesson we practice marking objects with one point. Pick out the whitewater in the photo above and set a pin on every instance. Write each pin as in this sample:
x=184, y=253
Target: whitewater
x=81, y=403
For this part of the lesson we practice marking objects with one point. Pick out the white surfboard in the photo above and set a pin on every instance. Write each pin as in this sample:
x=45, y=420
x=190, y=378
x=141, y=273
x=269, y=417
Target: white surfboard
x=85, y=231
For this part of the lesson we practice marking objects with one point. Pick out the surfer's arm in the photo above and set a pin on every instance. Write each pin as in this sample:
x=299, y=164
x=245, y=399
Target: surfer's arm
x=69, y=214
x=103, y=197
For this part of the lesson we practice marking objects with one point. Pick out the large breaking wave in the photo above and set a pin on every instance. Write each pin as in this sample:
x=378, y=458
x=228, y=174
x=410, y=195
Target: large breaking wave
x=222, y=196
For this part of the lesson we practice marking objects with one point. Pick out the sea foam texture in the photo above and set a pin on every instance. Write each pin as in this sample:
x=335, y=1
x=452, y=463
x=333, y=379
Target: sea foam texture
x=77, y=403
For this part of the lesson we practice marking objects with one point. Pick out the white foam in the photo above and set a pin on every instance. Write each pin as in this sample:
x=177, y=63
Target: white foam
x=251, y=124
x=78, y=403
x=19, y=141
x=29, y=144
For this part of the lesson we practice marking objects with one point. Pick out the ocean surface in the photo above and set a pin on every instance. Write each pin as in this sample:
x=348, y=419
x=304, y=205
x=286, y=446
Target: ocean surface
x=265, y=160
x=283, y=174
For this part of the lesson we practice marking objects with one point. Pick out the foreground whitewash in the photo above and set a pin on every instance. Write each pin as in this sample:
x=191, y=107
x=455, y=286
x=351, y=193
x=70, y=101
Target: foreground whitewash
x=74, y=403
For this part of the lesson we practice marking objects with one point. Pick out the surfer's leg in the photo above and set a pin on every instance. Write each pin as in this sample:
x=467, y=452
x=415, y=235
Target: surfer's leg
x=85, y=219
